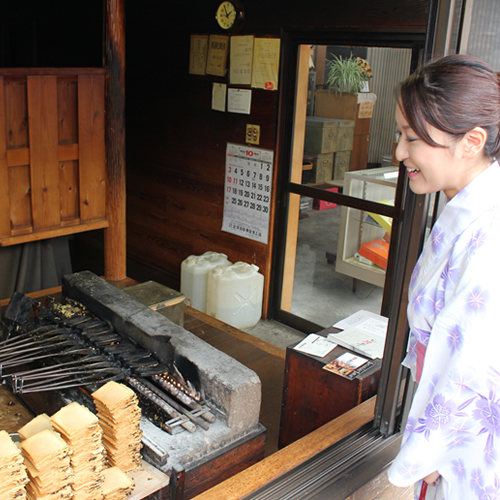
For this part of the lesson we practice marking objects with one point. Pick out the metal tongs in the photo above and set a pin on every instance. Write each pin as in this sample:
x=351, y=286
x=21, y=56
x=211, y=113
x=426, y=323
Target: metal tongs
x=70, y=374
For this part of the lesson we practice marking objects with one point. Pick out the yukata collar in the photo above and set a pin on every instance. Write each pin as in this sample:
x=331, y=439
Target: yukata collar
x=466, y=206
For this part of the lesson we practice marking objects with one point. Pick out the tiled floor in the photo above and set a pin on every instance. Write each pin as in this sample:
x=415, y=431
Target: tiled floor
x=320, y=294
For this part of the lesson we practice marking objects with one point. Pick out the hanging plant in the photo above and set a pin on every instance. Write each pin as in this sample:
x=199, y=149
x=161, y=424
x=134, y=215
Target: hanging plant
x=347, y=75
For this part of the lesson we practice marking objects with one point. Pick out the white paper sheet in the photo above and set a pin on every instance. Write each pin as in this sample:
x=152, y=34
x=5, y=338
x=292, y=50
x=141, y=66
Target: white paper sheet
x=365, y=320
x=219, y=96
x=239, y=101
x=315, y=345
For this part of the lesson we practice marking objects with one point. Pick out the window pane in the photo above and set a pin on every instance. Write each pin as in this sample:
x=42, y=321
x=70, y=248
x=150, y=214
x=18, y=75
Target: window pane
x=484, y=37
x=321, y=293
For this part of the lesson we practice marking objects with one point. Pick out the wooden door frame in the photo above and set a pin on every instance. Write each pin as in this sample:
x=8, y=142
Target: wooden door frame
x=290, y=146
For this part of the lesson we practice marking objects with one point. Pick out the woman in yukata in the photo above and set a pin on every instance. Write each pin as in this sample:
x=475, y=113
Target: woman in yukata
x=448, y=119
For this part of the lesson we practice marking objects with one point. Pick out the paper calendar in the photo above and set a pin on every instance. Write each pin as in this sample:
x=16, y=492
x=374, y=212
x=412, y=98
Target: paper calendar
x=247, y=191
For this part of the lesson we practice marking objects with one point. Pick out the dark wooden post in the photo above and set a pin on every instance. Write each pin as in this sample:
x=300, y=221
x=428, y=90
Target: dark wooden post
x=115, y=243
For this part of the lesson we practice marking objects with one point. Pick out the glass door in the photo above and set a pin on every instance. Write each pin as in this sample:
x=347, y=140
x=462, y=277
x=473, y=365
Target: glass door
x=342, y=193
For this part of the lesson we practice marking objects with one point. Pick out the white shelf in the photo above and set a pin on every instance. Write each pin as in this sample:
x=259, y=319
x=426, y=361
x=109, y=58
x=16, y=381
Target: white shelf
x=376, y=185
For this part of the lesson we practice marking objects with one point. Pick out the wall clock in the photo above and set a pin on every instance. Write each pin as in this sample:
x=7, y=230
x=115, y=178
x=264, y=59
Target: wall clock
x=230, y=15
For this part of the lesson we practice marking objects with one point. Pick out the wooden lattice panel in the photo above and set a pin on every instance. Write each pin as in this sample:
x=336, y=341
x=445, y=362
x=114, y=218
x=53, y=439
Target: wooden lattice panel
x=52, y=153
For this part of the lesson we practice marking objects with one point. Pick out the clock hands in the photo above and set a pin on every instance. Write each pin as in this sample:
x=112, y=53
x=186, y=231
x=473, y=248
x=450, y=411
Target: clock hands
x=227, y=15
x=230, y=13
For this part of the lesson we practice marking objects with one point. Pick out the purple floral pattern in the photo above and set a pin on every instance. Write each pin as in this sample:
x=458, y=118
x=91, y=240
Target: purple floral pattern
x=459, y=470
x=438, y=415
x=455, y=339
x=477, y=240
x=436, y=238
x=454, y=423
x=477, y=299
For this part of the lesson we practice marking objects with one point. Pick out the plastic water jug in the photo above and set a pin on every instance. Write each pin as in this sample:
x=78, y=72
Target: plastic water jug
x=234, y=294
x=194, y=270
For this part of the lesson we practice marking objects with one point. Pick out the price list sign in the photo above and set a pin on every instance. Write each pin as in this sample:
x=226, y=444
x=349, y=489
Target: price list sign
x=247, y=191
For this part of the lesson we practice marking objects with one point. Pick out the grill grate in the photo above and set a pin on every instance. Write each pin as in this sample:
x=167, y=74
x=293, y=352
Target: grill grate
x=64, y=345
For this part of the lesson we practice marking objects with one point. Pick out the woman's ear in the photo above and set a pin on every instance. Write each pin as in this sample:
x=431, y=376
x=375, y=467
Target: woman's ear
x=474, y=141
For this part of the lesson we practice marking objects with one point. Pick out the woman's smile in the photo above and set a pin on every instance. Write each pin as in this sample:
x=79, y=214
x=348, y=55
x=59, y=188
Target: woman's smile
x=434, y=168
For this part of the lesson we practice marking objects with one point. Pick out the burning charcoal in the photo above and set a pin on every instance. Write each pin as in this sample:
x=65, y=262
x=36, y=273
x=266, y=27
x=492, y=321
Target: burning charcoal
x=170, y=386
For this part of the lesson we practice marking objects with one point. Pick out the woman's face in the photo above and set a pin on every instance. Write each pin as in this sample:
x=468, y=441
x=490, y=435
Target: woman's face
x=429, y=168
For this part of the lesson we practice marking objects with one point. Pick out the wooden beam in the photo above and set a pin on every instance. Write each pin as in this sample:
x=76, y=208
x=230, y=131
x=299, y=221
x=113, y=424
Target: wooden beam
x=115, y=268
x=69, y=72
x=92, y=147
x=296, y=176
x=44, y=166
x=26, y=235
x=21, y=156
x=4, y=177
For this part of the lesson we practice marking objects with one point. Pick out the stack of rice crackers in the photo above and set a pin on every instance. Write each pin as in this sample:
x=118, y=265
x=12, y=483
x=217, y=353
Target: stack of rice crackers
x=119, y=416
x=117, y=484
x=13, y=476
x=65, y=455
x=46, y=456
x=80, y=428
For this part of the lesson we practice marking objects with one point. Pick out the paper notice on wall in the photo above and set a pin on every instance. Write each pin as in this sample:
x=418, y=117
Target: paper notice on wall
x=247, y=191
x=366, y=101
x=218, y=46
x=239, y=101
x=266, y=61
x=198, y=54
x=240, y=60
x=219, y=96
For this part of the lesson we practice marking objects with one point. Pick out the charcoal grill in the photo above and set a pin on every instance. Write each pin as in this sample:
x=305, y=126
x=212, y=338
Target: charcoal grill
x=196, y=400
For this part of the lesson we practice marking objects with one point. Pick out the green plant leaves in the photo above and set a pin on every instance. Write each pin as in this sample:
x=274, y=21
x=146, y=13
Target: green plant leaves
x=346, y=75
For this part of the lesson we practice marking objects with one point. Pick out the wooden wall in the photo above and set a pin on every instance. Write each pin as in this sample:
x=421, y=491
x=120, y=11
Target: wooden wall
x=52, y=153
x=176, y=143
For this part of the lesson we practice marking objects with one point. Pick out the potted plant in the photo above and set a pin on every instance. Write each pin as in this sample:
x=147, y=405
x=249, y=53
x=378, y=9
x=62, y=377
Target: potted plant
x=345, y=78
x=348, y=75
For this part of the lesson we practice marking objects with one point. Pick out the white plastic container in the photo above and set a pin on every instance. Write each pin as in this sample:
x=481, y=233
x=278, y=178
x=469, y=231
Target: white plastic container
x=234, y=294
x=194, y=270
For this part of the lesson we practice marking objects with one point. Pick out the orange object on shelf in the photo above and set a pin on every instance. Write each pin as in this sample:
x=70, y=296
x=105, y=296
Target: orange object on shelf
x=377, y=251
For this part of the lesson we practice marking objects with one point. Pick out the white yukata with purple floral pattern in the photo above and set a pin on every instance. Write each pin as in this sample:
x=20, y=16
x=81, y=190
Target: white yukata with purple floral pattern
x=454, y=310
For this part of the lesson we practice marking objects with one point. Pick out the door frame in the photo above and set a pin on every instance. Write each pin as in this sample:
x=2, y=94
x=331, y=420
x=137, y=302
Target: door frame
x=290, y=144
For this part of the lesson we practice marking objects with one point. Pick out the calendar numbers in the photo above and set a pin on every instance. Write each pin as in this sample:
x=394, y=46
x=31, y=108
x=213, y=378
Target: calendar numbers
x=248, y=184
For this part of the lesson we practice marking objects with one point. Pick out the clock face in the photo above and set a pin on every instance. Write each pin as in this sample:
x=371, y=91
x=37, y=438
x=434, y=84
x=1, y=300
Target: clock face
x=226, y=15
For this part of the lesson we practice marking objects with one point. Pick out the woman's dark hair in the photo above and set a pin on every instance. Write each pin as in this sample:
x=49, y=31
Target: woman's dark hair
x=453, y=94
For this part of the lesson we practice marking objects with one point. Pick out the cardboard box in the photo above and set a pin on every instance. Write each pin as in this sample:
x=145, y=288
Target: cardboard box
x=322, y=166
x=377, y=251
x=327, y=135
x=329, y=104
x=322, y=204
x=341, y=162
